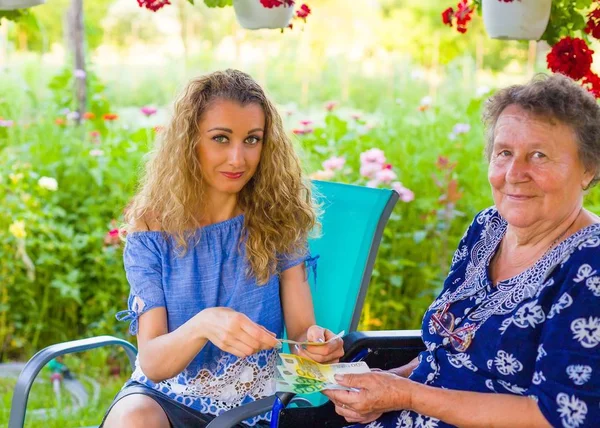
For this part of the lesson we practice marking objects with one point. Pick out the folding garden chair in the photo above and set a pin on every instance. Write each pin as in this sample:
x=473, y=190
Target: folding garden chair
x=352, y=226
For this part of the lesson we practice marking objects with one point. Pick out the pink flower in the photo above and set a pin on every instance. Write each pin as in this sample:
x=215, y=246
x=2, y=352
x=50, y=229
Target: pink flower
x=148, y=111
x=385, y=175
x=330, y=105
x=373, y=183
x=96, y=153
x=112, y=237
x=356, y=116
x=406, y=195
x=373, y=156
x=6, y=123
x=368, y=170
x=334, y=163
x=302, y=131
x=306, y=122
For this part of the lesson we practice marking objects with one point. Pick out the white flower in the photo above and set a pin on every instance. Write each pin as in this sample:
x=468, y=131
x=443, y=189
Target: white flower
x=579, y=374
x=48, y=183
x=426, y=101
x=572, y=410
x=507, y=364
x=586, y=332
x=96, y=152
x=593, y=284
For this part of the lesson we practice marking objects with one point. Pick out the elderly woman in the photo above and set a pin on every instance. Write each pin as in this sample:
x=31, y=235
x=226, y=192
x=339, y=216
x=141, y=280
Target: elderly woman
x=513, y=340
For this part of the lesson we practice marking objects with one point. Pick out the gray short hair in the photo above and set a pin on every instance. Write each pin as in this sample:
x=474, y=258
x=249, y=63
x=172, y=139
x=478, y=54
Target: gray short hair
x=554, y=97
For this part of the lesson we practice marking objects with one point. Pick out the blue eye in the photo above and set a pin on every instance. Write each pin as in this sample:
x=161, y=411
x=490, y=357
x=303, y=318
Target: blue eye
x=504, y=153
x=539, y=155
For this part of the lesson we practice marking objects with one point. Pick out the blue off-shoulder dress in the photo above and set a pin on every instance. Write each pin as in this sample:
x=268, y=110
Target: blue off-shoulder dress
x=538, y=333
x=212, y=273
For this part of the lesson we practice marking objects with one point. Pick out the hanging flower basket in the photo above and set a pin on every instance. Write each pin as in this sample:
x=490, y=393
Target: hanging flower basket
x=516, y=20
x=19, y=4
x=253, y=14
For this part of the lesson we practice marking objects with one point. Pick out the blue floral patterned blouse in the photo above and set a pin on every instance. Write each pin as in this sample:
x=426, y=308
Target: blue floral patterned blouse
x=212, y=273
x=537, y=334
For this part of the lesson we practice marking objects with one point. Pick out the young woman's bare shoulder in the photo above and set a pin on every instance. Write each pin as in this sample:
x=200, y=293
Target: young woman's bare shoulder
x=147, y=222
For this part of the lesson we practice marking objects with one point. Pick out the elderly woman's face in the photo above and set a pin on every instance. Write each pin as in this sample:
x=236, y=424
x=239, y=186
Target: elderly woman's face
x=535, y=171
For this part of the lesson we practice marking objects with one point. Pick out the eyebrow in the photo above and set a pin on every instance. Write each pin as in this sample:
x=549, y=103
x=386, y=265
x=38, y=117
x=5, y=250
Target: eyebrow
x=231, y=132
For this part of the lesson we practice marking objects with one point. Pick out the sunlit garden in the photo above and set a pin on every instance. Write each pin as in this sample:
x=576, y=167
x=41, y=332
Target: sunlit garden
x=382, y=93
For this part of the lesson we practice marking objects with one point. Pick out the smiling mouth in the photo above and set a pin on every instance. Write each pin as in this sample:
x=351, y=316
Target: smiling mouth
x=233, y=175
x=519, y=197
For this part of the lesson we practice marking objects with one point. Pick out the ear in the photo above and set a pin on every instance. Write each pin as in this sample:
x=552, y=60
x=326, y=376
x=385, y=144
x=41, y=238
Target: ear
x=588, y=176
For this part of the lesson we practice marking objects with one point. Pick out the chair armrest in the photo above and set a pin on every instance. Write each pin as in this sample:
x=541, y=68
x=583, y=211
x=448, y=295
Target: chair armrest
x=235, y=416
x=39, y=360
x=383, y=349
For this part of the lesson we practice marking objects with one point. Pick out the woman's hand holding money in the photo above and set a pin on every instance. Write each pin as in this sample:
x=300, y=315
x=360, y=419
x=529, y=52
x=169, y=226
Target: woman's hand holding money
x=330, y=352
x=234, y=332
x=379, y=392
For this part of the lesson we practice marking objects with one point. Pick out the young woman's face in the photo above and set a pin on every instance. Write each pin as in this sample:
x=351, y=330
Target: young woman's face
x=230, y=146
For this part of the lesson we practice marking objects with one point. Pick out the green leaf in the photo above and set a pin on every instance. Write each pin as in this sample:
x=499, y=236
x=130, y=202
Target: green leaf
x=191, y=2
x=218, y=3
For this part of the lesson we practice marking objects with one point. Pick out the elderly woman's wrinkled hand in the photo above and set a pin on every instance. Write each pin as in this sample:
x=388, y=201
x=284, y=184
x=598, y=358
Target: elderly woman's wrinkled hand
x=379, y=392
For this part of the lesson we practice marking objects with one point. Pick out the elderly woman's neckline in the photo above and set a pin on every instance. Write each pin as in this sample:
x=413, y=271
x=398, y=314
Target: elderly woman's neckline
x=508, y=261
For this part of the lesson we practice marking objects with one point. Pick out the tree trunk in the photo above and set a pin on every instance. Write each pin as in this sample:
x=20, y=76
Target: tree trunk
x=76, y=43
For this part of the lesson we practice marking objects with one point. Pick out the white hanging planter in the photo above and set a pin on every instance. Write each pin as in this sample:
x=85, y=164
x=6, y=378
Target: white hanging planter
x=19, y=4
x=251, y=14
x=517, y=20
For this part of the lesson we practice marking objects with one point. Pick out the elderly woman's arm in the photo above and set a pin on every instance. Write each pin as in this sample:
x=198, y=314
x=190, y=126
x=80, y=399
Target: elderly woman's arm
x=382, y=392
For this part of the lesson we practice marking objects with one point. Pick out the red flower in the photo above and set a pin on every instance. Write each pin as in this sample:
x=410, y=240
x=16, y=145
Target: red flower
x=593, y=24
x=153, y=5
x=109, y=117
x=463, y=13
x=447, y=16
x=303, y=12
x=88, y=115
x=571, y=57
x=591, y=82
x=60, y=121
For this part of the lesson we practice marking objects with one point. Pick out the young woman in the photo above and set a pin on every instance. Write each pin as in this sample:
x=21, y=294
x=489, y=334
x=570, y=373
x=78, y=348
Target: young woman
x=216, y=259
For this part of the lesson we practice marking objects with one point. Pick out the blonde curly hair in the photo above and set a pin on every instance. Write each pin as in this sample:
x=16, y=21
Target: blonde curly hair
x=277, y=202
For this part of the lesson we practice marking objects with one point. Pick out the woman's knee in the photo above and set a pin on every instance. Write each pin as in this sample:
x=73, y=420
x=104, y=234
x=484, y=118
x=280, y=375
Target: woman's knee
x=136, y=411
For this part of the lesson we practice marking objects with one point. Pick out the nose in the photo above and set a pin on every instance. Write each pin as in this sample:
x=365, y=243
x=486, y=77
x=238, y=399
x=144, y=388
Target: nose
x=517, y=171
x=236, y=156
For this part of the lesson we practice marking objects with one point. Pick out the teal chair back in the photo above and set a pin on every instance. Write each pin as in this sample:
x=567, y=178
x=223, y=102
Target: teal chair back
x=352, y=222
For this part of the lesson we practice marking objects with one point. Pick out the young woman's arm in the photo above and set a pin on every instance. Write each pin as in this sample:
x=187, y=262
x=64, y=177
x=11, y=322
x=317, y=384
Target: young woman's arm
x=163, y=355
x=299, y=316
